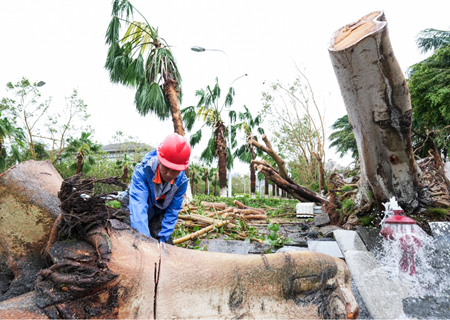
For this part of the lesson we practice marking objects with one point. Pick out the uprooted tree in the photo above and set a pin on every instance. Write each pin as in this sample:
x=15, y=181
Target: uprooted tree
x=280, y=177
x=110, y=271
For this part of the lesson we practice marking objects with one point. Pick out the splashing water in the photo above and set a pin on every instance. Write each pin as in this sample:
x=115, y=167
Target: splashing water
x=408, y=253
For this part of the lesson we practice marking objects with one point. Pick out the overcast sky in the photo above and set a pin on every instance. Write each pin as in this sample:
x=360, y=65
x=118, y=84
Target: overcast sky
x=62, y=43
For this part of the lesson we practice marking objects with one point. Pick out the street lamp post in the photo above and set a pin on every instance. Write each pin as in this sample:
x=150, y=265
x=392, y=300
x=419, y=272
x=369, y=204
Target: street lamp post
x=201, y=49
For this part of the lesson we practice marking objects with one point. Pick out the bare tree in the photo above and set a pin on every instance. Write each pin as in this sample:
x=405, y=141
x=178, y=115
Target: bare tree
x=299, y=122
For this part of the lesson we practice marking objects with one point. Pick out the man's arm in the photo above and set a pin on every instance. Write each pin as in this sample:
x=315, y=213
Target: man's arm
x=138, y=206
x=170, y=218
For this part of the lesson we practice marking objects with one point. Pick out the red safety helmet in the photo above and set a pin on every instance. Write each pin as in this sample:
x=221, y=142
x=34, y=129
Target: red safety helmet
x=174, y=152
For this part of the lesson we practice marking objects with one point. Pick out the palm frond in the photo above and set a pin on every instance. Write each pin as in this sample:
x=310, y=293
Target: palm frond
x=232, y=116
x=150, y=98
x=230, y=97
x=189, y=116
x=195, y=138
x=432, y=39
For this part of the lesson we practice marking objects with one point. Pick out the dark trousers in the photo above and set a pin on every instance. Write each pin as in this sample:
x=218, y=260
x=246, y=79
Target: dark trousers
x=154, y=224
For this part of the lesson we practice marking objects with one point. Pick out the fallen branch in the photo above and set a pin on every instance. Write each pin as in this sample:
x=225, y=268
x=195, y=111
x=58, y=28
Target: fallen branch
x=272, y=153
x=199, y=233
x=254, y=216
x=212, y=214
x=243, y=206
x=200, y=218
x=297, y=191
x=213, y=205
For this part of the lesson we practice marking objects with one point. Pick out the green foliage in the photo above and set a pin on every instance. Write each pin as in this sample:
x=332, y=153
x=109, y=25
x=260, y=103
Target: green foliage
x=367, y=221
x=280, y=206
x=429, y=85
x=113, y=203
x=274, y=239
x=343, y=139
x=432, y=39
x=347, y=205
x=346, y=188
x=141, y=59
x=438, y=212
x=82, y=148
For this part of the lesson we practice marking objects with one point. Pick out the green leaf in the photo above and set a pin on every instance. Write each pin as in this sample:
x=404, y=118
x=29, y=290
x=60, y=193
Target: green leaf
x=247, y=240
x=273, y=235
x=196, y=228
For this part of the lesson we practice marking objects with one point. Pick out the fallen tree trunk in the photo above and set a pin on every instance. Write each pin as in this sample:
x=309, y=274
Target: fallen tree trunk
x=281, y=178
x=297, y=191
x=28, y=208
x=378, y=104
x=110, y=271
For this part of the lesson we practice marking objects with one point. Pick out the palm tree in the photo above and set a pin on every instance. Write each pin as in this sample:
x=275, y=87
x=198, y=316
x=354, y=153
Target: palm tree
x=9, y=131
x=205, y=175
x=246, y=153
x=343, y=139
x=125, y=164
x=143, y=60
x=214, y=172
x=432, y=39
x=83, y=147
x=209, y=111
x=194, y=170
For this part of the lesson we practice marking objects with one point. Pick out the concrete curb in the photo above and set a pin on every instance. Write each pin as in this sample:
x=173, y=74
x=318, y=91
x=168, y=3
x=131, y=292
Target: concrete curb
x=382, y=297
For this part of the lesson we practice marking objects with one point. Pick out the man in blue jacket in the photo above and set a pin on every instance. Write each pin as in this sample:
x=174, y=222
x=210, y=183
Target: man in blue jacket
x=156, y=192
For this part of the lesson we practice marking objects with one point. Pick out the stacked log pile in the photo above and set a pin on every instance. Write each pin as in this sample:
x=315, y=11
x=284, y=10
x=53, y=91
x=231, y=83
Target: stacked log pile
x=215, y=215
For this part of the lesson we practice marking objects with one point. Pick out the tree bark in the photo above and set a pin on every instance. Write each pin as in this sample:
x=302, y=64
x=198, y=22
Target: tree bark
x=269, y=150
x=206, y=182
x=378, y=104
x=266, y=187
x=172, y=94
x=79, y=162
x=215, y=184
x=125, y=174
x=221, y=151
x=252, y=173
x=192, y=183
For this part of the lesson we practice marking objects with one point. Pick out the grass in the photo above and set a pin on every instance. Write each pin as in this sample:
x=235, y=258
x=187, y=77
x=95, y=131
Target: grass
x=367, y=221
x=438, y=212
x=346, y=188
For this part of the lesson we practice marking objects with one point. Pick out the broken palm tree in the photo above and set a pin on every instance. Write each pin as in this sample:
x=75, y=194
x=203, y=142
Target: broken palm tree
x=109, y=270
x=280, y=177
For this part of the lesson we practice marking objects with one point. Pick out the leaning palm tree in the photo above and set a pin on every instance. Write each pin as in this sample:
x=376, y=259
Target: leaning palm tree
x=83, y=148
x=143, y=60
x=246, y=153
x=432, y=39
x=209, y=111
x=9, y=131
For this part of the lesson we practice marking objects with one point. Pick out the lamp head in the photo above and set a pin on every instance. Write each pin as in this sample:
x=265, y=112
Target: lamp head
x=198, y=49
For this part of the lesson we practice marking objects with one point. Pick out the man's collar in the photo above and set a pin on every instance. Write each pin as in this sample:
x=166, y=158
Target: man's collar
x=157, y=178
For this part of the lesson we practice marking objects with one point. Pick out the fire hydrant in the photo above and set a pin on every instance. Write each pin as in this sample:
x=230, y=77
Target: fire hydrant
x=408, y=243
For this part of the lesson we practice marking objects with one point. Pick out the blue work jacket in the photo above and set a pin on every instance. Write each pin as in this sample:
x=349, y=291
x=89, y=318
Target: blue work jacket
x=142, y=198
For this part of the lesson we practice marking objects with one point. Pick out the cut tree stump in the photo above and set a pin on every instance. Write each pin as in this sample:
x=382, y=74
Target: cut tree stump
x=377, y=100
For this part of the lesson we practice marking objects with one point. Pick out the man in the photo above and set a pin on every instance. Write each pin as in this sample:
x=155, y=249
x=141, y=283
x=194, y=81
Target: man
x=157, y=188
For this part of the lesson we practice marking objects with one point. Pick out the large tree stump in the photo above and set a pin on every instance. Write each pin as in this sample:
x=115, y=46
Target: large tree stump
x=379, y=109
